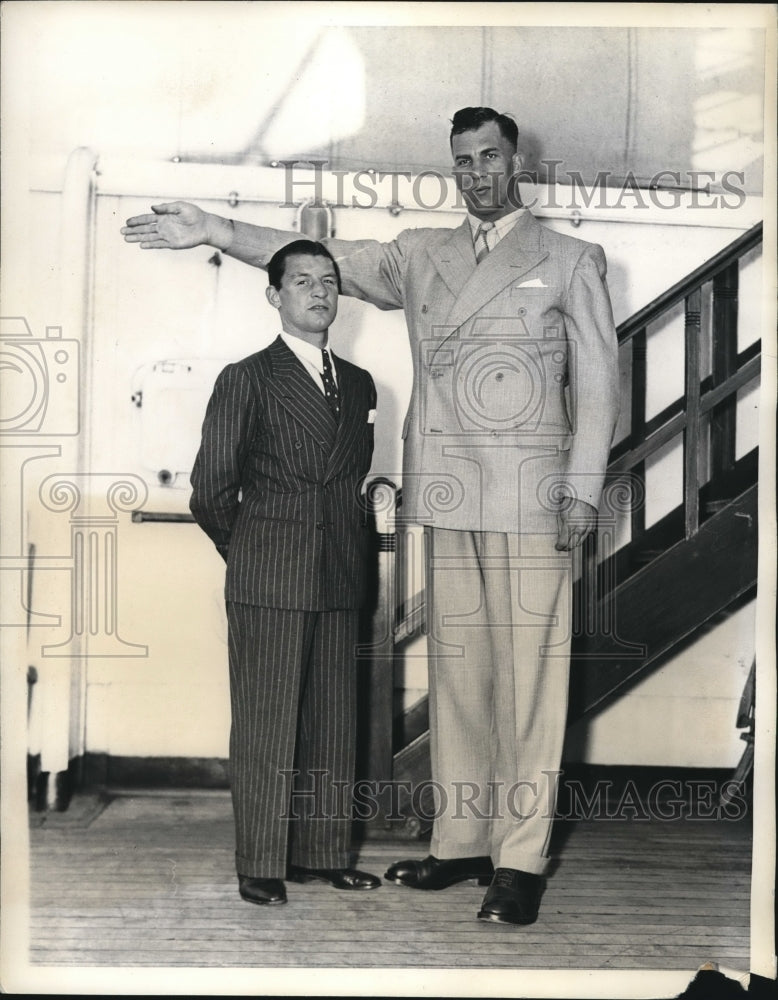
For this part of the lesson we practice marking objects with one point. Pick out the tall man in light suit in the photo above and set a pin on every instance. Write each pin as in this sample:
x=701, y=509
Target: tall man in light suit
x=507, y=436
x=287, y=440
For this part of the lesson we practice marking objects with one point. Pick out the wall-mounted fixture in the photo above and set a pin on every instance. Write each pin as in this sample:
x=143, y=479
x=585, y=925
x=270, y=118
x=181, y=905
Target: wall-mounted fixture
x=315, y=220
x=171, y=396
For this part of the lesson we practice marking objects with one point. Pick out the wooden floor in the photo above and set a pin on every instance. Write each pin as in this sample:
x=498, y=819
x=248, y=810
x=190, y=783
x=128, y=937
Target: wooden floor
x=148, y=880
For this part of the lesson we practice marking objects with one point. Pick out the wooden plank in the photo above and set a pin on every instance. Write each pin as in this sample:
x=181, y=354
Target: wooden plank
x=747, y=373
x=626, y=461
x=176, y=905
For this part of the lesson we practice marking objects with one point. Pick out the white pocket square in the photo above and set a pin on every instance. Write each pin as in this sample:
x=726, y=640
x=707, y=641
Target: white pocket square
x=532, y=283
x=371, y=416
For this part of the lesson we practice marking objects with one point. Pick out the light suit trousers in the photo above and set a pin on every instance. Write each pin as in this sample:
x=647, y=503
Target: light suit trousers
x=499, y=658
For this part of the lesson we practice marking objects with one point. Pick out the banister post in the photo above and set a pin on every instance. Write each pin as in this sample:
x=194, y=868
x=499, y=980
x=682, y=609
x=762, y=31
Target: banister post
x=691, y=437
x=724, y=364
x=376, y=654
x=639, y=384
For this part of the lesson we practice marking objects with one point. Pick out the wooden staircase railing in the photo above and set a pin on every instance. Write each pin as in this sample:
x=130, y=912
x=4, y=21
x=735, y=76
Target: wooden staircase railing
x=636, y=599
x=681, y=557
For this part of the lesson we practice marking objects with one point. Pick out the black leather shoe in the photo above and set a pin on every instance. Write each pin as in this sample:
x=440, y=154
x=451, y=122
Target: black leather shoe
x=513, y=897
x=338, y=878
x=434, y=874
x=265, y=891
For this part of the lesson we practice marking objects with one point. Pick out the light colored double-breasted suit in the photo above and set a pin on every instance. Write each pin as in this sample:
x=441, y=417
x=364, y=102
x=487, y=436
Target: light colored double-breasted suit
x=276, y=487
x=514, y=405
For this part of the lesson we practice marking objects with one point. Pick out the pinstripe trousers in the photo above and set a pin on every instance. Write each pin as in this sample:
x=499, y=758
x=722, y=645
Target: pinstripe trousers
x=293, y=698
x=499, y=661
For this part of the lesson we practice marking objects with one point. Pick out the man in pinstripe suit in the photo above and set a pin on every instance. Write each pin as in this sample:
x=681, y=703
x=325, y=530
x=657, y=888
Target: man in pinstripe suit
x=287, y=440
x=506, y=442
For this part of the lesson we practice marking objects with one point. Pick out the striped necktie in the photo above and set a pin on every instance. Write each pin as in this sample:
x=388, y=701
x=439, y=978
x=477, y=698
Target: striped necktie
x=330, y=388
x=481, y=246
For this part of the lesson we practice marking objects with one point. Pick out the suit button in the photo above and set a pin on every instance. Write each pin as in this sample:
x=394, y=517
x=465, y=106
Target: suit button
x=320, y=525
x=298, y=445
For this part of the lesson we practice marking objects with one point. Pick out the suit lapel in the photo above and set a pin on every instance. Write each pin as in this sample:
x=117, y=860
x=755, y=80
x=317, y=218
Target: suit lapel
x=352, y=415
x=296, y=391
x=454, y=259
x=517, y=252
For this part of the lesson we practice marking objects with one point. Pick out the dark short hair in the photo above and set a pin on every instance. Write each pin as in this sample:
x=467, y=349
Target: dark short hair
x=277, y=264
x=470, y=119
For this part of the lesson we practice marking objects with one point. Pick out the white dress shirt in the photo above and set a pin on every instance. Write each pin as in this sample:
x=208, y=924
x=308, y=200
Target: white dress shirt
x=501, y=227
x=310, y=357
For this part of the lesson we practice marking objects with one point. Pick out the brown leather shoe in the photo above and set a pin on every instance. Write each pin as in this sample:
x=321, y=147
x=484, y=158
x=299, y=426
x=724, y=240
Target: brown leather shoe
x=513, y=897
x=338, y=878
x=265, y=891
x=431, y=873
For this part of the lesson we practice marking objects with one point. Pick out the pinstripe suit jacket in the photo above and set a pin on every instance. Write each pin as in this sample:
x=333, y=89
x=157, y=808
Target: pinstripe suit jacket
x=276, y=482
x=515, y=393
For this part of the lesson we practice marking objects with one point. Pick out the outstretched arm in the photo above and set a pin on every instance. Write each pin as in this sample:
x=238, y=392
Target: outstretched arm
x=370, y=270
x=179, y=225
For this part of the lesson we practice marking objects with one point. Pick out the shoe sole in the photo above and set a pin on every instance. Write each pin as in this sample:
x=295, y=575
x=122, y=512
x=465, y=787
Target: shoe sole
x=495, y=918
x=302, y=879
x=262, y=902
x=481, y=880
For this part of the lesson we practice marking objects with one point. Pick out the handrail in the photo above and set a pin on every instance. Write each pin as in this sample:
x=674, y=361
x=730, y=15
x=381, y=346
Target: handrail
x=702, y=397
x=623, y=459
x=703, y=417
x=705, y=272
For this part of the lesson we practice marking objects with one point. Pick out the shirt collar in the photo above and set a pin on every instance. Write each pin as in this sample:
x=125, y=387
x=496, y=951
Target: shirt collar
x=304, y=350
x=501, y=226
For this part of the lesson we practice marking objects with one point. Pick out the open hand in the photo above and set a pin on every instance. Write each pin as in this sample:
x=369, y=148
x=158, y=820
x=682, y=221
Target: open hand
x=175, y=225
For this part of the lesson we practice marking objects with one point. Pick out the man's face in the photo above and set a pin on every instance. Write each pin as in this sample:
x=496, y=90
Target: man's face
x=308, y=297
x=484, y=161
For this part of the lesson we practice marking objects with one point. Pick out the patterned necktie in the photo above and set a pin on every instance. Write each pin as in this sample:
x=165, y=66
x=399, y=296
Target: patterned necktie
x=330, y=388
x=481, y=246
